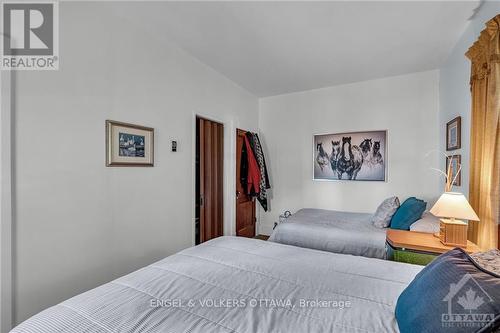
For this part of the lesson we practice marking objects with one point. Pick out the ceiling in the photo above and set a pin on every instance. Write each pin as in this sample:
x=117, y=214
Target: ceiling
x=272, y=48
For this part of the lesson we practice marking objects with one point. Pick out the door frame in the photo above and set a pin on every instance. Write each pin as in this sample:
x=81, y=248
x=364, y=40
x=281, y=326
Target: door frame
x=228, y=183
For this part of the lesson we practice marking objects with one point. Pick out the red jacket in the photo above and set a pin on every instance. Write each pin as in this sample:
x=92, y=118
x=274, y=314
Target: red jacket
x=253, y=178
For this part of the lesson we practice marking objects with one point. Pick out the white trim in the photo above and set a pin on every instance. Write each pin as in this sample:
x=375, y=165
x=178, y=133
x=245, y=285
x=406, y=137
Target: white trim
x=193, y=177
x=6, y=202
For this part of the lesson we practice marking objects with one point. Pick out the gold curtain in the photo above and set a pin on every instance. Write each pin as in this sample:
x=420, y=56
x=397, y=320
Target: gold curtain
x=484, y=186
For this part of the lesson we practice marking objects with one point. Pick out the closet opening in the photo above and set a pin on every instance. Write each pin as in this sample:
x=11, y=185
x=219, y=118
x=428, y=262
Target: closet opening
x=209, y=180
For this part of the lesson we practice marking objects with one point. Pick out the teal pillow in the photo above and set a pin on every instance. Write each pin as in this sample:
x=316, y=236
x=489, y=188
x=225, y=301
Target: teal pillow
x=410, y=211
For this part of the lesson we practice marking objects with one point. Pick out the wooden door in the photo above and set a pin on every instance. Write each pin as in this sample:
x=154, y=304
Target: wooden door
x=211, y=145
x=245, y=205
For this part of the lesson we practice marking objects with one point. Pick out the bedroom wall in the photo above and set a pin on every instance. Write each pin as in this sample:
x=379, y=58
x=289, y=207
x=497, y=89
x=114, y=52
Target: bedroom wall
x=454, y=89
x=79, y=224
x=407, y=106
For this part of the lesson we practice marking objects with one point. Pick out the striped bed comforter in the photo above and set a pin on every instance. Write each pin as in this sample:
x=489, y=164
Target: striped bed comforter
x=233, y=284
x=332, y=231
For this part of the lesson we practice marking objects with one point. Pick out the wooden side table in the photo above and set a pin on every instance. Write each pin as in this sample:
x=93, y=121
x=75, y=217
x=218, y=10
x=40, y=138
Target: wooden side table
x=418, y=248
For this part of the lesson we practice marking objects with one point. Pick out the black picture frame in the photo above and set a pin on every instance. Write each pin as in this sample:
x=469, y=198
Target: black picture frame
x=454, y=134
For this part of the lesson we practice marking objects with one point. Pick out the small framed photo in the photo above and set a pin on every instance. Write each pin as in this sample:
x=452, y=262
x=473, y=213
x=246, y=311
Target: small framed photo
x=128, y=144
x=454, y=134
x=456, y=161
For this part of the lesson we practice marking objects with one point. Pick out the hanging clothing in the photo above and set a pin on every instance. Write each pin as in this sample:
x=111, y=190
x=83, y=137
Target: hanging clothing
x=244, y=167
x=259, y=155
x=253, y=164
x=264, y=178
x=253, y=171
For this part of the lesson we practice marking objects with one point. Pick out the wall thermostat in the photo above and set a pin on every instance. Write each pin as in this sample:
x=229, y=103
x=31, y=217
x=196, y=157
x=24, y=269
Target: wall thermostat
x=174, y=146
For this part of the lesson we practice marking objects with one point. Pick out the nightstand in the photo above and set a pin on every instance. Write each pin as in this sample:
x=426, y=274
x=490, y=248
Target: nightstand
x=418, y=248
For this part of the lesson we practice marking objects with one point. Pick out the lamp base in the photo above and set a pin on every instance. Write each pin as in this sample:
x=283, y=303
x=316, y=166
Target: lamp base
x=453, y=232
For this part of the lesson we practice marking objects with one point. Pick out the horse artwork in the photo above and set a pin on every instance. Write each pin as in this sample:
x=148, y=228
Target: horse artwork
x=366, y=147
x=322, y=159
x=353, y=156
x=350, y=160
x=335, y=155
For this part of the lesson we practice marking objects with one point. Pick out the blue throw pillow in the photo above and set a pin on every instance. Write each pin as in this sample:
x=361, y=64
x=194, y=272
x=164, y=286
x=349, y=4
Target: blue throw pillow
x=410, y=211
x=451, y=294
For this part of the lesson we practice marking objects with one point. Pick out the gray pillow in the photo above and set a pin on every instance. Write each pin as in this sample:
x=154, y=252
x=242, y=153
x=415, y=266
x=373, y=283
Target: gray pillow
x=383, y=215
x=428, y=223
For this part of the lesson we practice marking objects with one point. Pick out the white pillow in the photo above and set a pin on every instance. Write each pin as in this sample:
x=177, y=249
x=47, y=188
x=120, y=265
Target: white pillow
x=428, y=223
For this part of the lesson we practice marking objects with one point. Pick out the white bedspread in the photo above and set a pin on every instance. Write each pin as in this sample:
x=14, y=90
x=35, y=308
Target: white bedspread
x=232, y=268
x=332, y=231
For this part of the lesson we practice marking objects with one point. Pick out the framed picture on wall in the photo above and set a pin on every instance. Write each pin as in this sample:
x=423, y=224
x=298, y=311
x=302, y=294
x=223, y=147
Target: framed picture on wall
x=454, y=134
x=350, y=156
x=128, y=144
x=456, y=161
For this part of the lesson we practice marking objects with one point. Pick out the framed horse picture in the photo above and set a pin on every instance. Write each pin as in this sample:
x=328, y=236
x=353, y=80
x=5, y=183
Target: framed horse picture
x=351, y=156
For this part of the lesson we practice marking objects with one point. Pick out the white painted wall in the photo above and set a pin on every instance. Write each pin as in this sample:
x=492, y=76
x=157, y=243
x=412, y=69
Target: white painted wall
x=454, y=89
x=5, y=201
x=407, y=106
x=78, y=223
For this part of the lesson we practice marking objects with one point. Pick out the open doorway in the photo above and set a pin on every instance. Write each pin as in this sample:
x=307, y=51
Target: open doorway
x=209, y=180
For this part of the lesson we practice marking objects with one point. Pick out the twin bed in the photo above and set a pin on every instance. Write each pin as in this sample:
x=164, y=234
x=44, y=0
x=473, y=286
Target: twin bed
x=343, y=232
x=362, y=293
x=332, y=231
x=235, y=284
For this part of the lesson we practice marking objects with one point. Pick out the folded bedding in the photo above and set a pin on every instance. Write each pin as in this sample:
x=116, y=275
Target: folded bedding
x=332, y=231
x=361, y=293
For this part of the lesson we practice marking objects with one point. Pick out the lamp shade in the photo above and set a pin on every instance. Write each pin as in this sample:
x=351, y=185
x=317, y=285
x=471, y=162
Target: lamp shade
x=454, y=205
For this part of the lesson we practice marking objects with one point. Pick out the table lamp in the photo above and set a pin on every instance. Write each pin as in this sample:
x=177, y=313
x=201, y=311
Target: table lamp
x=450, y=207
